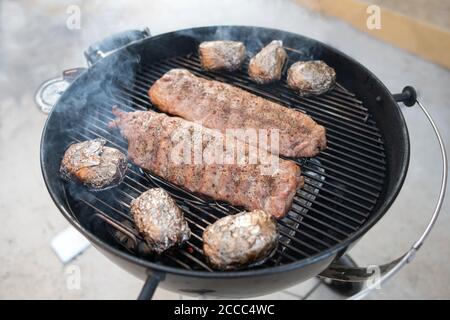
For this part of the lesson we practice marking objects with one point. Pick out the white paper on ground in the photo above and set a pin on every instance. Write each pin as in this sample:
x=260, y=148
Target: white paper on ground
x=68, y=244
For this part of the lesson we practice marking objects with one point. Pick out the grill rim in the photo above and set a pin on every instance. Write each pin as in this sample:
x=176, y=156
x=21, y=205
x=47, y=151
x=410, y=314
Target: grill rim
x=377, y=213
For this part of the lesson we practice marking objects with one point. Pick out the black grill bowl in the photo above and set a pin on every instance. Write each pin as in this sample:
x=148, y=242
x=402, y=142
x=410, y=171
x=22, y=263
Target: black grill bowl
x=349, y=186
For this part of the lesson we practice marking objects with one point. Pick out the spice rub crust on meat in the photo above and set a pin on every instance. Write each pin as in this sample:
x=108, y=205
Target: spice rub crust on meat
x=154, y=144
x=222, y=106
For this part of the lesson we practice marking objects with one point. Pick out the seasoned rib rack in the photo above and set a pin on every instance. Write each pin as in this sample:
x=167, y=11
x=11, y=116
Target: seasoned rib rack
x=342, y=183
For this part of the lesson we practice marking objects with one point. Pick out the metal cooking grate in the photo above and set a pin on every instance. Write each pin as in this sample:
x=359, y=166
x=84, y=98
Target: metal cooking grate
x=342, y=184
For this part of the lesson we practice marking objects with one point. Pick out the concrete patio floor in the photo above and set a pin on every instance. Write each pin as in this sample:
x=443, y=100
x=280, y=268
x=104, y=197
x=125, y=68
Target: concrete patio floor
x=35, y=44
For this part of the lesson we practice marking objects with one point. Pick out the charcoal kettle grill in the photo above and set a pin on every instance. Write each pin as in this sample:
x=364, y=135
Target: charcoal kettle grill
x=348, y=187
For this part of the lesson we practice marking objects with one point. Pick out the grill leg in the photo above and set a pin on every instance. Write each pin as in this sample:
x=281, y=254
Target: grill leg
x=345, y=288
x=150, y=286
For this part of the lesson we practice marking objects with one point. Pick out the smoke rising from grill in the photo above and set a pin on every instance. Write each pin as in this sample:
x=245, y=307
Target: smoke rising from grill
x=108, y=82
x=255, y=40
x=83, y=106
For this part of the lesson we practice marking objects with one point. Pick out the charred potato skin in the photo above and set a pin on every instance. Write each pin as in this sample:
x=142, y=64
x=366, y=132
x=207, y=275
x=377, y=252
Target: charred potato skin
x=267, y=65
x=94, y=165
x=310, y=78
x=159, y=220
x=222, y=55
x=241, y=240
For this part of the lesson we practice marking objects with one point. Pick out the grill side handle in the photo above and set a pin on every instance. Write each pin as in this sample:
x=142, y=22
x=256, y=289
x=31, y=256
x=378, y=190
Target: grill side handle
x=408, y=96
x=50, y=91
x=377, y=275
x=104, y=47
